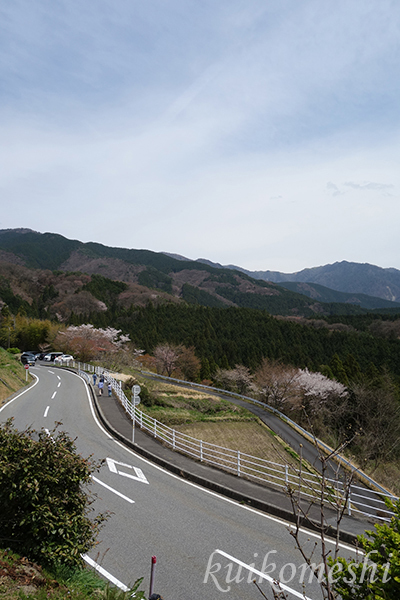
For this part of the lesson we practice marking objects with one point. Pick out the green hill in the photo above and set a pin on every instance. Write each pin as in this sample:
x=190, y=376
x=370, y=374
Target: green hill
x=174, y=280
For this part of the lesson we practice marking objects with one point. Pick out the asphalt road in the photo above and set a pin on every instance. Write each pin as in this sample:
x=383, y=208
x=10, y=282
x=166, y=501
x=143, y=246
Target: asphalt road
x=200, y=539
x=364, y=498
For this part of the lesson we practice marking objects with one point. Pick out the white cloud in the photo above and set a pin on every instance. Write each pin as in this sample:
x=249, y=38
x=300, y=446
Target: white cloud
x=264, y=135
x=369, y=185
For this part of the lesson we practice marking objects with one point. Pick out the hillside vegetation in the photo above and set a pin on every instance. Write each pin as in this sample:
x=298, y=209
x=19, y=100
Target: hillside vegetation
x=147, y=275
x=344, y=276
x=12, y=375
x=119, y=306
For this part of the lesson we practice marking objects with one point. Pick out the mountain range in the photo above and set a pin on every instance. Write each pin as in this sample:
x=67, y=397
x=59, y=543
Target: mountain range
x=67, y=276
x=355, y=283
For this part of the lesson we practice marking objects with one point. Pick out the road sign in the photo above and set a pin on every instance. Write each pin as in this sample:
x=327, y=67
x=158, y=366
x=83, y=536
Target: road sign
x=26, y=366
x=136, y=400
x=136, y=390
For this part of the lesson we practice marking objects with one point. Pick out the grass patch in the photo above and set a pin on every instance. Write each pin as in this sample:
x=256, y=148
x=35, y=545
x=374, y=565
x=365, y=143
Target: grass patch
x=12, y=375
x=387, y=474
x=177, y=406
x=22, y=579
x=216, y=421
x=250, y=438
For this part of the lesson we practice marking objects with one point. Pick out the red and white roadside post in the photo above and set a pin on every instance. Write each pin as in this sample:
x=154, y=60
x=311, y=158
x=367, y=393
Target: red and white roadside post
x=26, y=372
x=153, y=568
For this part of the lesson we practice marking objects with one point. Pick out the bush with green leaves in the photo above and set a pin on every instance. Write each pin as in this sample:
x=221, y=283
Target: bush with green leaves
x=376, y=575
x=44, y=499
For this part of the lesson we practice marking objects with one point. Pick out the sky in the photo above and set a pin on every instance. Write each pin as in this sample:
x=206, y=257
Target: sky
x=259, y=133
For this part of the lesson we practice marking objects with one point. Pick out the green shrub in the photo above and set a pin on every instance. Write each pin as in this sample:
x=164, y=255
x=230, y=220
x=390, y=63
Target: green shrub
x=14, y=350
x=44, y=508
x=377, y=574
x=147, y=398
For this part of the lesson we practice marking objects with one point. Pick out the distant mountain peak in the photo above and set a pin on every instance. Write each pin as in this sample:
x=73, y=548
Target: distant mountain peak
x=18, y=230
x=170, y=272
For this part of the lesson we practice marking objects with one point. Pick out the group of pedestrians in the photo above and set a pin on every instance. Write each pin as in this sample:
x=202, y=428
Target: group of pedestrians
x=101, y=383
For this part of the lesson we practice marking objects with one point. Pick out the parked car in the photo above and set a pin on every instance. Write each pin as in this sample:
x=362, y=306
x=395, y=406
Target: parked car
x=51, y=356
x=64, y=358
x=28, y=358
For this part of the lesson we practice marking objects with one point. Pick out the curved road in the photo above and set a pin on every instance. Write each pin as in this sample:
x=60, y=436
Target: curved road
x=204, y=543
x=365, y=499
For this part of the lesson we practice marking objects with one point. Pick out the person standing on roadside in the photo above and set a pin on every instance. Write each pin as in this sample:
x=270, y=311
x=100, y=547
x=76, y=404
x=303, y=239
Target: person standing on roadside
x=109, y=387
x=100, y=386
x=94, y=378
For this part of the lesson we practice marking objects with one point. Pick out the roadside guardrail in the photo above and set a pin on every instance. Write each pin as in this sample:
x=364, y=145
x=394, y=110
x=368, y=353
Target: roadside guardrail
x=282, y=476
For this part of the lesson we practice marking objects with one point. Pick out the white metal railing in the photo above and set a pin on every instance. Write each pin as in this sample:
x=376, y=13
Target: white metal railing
x=245, y=465
x=306, y=434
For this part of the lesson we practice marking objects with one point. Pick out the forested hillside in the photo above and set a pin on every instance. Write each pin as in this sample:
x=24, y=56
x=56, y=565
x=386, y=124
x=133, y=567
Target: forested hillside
x=147, y=274
x=230, y=336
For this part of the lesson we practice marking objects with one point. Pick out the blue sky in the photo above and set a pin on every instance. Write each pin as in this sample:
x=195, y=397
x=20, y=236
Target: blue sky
x=260, y=133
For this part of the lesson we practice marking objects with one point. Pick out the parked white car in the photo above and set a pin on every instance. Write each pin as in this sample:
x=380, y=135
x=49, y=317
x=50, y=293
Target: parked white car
x=64, y=358
x=52, y=356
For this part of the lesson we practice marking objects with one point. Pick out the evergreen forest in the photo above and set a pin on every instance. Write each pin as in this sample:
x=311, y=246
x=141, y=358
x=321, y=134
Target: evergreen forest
x=225, y=337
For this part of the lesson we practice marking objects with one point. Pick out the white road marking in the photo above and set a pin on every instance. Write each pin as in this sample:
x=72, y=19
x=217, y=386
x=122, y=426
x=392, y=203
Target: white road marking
x=99, y=425
x=59, y=384
x=52, y=372
x=24, y=392
x=137, y=457
x=46, y=411
x=287, y=524
x=261, y=574
x=113, y=490
x=105, y=573
x=58, y=377
x=53, y=396
x=139, y=473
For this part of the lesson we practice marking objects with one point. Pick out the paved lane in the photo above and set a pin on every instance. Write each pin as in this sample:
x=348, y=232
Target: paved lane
x=156, y=513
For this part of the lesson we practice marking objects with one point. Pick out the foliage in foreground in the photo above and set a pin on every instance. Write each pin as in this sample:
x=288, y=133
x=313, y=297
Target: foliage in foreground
x=44, y=506
x=23, y=579
x=377, y=576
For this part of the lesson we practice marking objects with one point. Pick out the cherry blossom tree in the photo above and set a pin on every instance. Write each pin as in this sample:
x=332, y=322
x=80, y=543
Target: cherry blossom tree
x=319, y=387
x=167, y=357
x=276, y=384
x=237, y=380
x=87, y=343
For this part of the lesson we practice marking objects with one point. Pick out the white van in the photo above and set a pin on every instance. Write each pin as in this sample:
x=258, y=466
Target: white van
x=52, y=355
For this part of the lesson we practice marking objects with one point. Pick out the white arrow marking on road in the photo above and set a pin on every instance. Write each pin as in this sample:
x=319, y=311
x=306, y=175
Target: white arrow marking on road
x=139, y=473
